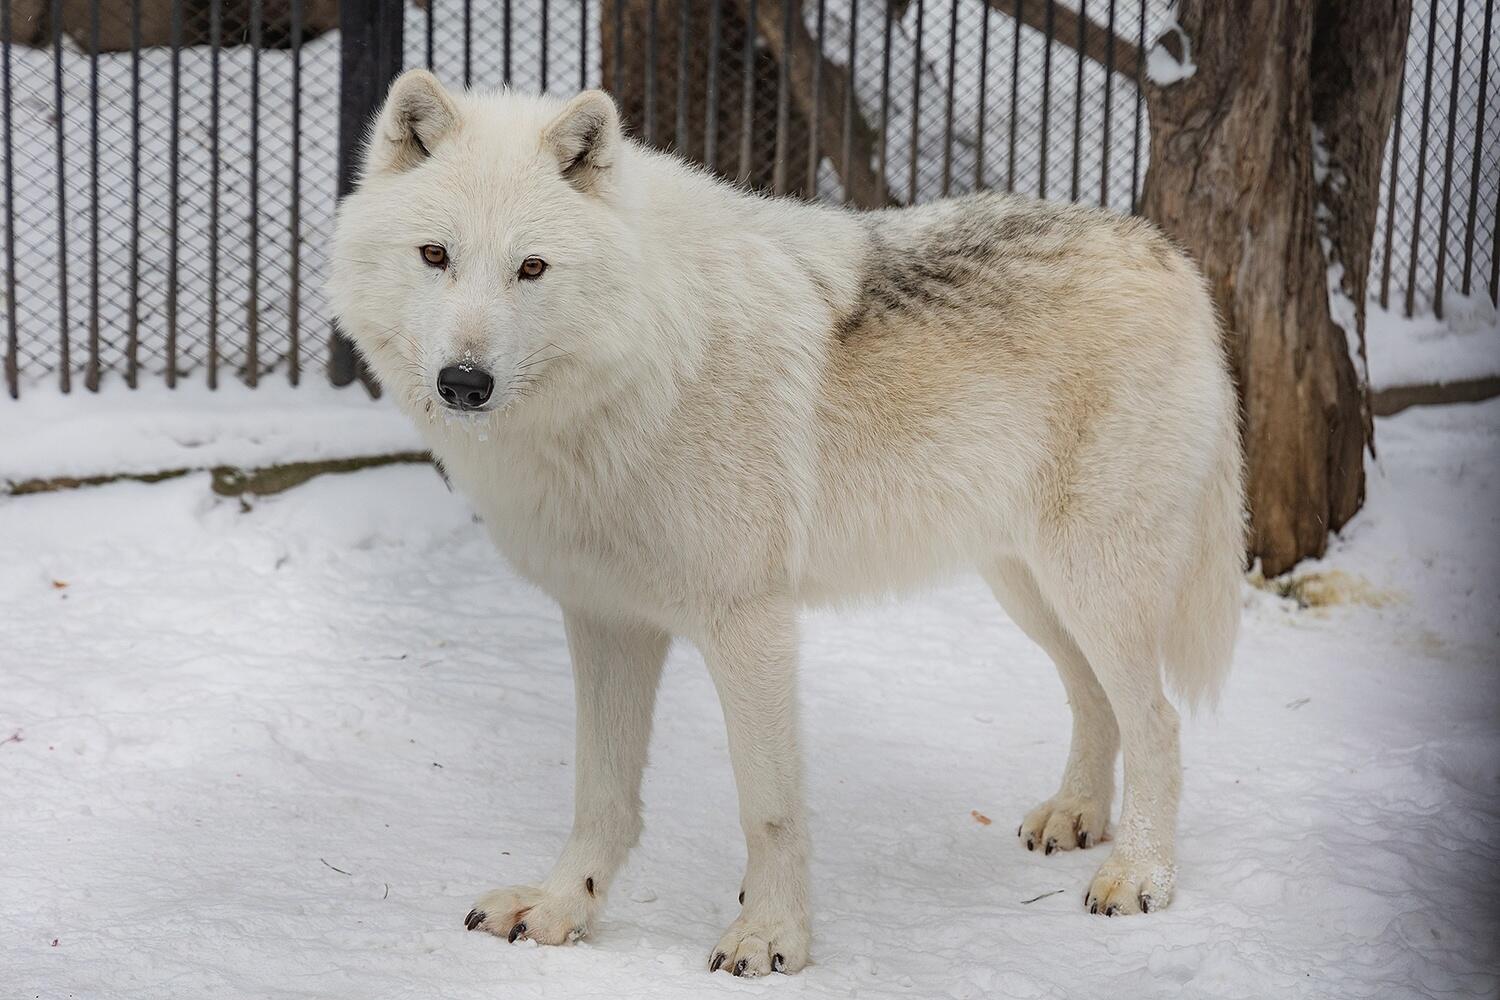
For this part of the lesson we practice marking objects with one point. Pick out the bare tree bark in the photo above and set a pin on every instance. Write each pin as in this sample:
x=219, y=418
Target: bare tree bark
x=1234, y=176
x=1359, y=53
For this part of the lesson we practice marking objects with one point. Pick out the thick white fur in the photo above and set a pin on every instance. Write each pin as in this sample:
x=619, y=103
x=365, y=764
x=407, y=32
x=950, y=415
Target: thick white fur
x=715, y=408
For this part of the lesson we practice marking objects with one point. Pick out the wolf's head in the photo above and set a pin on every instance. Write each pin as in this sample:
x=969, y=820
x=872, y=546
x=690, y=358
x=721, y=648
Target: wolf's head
x=483, y=251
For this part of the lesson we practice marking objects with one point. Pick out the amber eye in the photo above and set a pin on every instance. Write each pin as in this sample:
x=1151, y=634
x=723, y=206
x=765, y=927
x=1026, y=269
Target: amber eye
x=532, y=268
x=434, y=255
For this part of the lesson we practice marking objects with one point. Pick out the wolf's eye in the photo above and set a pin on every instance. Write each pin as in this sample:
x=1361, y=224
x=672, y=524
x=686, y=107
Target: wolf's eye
x=532, y=268
x=434, y=255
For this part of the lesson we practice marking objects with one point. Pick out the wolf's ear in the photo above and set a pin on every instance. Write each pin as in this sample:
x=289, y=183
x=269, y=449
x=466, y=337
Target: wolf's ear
x=585, y=136
x=418, y=115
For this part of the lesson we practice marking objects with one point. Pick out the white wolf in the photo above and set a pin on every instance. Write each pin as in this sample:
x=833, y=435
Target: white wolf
x=685, y=410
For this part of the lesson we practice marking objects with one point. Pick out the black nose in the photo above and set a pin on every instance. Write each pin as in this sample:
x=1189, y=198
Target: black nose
x=465, y=387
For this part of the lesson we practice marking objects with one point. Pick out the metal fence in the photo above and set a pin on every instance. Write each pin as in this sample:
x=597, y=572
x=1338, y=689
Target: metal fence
x=171, y=166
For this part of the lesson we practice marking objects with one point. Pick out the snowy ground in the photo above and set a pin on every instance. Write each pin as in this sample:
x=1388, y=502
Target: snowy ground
x=276, y=753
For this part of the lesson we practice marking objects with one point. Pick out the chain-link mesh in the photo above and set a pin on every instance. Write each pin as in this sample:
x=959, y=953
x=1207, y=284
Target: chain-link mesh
x=1435, y=237
x=226, y=148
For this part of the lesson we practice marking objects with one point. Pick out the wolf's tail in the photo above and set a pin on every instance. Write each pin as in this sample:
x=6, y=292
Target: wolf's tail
x=1201, y=633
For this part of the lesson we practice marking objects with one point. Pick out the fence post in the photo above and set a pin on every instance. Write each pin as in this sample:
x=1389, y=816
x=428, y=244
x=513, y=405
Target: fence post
x=369, y=59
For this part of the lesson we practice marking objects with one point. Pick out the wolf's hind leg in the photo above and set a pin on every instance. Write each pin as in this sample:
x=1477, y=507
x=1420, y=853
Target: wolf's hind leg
x=616, y=667
x=1115, y=609
x=1078, y=814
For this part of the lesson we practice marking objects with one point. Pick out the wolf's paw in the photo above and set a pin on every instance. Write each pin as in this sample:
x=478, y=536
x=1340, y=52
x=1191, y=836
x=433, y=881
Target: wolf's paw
x=757, y=944
x=1063, y=823
x=1130, y=886
x=520, y=912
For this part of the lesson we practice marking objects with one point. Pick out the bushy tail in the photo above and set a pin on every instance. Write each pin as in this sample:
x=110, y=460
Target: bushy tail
x=1200, y=636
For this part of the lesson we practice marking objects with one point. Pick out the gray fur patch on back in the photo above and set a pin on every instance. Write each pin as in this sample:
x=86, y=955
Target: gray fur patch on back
x=918, y=263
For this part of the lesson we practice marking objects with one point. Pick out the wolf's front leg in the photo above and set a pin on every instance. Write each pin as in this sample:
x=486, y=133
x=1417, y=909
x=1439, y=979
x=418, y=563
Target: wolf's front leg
x=616, y=667
x=752, y=655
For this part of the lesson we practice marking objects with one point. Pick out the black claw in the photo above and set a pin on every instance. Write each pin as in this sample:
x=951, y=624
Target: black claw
x=717, y=961
x=1051, y=845
x=1146, y=904
x=474, y=919
x=1111, y=910
x=777, y=962
x=588, y=884
x=1083, y=840
x=742, y=897
x=1093, y=907
x=739, y=967
x=1018, y=828
x=1030, y=843
x=516, y=932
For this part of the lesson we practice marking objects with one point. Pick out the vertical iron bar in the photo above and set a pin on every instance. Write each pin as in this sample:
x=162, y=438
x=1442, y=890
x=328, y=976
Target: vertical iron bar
x=783, y=100
x=1078, y=100
x=583, y=46
x=173, y=190
x=1015, y=93
x=505, y=47
x=294, y=276
x=711, y=113
x=215, y=27
x=651, y=52
x=916, y=106
x=847, y=153
x=252, y=305
x=65, y=364
x=369, y=59
x=813, y=154
x=1109, y=89
x=683, y=21
x=1442, y=249
x=133, y=322
x=431, y=11
x=1050, y=33
x=885, y=106
x=91, y=374
x=618, y=85
x=1495, y=253
x=1390, y=203
x=747, y=102
x=546, y=11
x=1416, y=212
x=12, y=340
x=1140, y=91
x=468, y=44
x=984, y=79
x=1474, y=170
x=948, y=108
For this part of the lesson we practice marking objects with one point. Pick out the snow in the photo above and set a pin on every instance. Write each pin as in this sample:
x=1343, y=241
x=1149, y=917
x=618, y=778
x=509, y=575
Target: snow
x=276, y=752
x=154, y=428
x=1165, y=69
x=1464, y=344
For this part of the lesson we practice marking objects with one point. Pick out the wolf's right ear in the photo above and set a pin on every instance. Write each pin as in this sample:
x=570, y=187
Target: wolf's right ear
x=417, y=116
x=585, y=136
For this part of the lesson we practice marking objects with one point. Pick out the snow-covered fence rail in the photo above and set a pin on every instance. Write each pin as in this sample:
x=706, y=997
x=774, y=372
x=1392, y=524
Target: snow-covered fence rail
x=171, y=166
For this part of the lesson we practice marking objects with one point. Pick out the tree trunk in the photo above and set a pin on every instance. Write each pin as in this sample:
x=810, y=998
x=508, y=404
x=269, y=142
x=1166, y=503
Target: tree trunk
x=1235, y=176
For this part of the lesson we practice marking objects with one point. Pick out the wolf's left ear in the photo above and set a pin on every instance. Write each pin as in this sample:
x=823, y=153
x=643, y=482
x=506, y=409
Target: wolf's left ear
x=585, y=136
x=417, y=116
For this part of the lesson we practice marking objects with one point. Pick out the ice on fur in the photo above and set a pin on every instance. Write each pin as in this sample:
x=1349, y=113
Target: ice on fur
x=687, y=411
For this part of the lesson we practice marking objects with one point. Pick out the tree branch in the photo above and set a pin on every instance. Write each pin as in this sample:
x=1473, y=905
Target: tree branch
x=862, y=182
x=1065, y=25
